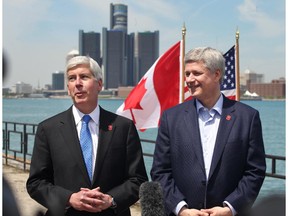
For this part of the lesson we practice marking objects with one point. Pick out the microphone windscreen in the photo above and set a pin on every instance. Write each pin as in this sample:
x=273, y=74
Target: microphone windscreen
x=151, y=199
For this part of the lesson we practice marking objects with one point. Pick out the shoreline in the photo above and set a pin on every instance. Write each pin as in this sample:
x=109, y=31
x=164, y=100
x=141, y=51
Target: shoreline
x=121, y=98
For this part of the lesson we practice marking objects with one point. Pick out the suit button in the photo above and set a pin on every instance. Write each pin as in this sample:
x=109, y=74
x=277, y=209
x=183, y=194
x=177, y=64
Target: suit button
x=203, y=182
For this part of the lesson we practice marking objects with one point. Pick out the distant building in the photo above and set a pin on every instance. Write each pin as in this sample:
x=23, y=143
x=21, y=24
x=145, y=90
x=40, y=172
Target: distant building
x=131, y=71
x=254, y=83
x=125, y=57
x=116, y=48
x=71, y=54
x=119, y=17
x=273, y=90
x=48, y=87
x=146, y=52
x=21, y=88
x=115, y=58
x=5, y=90
x=253, y=77
x=58, y=80
x=89, y=44
x=123, y=92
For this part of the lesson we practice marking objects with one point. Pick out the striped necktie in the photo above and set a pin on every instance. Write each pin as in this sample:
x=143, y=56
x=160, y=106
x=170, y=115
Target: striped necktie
x=86, y=144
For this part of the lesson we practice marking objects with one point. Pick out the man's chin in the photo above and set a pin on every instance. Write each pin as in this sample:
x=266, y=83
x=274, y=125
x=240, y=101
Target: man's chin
x=79, y=100
x=194, y=94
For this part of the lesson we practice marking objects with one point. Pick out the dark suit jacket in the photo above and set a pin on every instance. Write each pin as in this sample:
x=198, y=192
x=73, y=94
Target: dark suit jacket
x=58, y=168
x=238, y=163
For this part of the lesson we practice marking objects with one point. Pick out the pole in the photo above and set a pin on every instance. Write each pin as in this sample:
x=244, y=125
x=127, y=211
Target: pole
x=237, y=67
x=182, y=84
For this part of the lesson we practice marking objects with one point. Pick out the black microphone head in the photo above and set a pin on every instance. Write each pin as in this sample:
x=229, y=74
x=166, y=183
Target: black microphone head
x=151, y=199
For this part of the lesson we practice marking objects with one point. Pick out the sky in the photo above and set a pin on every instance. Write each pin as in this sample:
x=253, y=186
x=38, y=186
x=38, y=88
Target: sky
x=38, y=34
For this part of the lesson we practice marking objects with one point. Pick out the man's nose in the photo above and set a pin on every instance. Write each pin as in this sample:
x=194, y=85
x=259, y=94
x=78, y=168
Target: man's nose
x=189, y=77
x=78, y=81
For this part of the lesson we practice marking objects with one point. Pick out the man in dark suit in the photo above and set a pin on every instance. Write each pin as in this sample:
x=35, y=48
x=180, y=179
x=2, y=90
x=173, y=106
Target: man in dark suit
x=59, y=178
x=209, y=155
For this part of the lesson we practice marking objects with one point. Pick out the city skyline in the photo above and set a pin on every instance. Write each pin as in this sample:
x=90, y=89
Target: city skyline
x=36, y=42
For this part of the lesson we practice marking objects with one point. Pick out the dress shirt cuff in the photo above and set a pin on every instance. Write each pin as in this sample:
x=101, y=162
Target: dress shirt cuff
x=227, y=204
x=179, y=207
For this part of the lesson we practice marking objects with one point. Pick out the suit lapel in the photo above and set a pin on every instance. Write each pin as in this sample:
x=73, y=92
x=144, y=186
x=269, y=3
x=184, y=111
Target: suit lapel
x=106, y=130
x=67, y=125
x=226, y=123
x=191, y=121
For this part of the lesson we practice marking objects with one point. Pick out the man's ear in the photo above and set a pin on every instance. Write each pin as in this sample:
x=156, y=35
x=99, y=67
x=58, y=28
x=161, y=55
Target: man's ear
x=218, y=75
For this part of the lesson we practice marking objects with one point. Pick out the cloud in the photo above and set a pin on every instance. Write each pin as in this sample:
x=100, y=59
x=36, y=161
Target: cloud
x=150, y=15
x=44, y=31
x=162, y=15
x=265, y=25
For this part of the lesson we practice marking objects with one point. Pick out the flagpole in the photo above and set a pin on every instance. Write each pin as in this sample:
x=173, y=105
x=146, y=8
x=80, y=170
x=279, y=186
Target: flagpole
x=237, y=67
x=182, y=62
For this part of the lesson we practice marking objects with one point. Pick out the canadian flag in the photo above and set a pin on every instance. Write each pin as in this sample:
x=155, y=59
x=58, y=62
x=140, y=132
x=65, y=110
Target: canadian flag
x=158, y=90
x=161, y=88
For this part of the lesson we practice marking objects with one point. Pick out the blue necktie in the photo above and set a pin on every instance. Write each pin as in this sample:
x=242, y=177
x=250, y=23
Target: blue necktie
x=86, y=144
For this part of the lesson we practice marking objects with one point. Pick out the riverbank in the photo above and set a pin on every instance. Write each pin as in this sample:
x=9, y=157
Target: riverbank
x=114, y=97
x=16, y=177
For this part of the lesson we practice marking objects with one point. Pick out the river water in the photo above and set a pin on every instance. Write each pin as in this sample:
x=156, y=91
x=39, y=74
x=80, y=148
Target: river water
x=272, y=114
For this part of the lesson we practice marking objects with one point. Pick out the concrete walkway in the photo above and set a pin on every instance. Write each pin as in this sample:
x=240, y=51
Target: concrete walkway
x=28, y=207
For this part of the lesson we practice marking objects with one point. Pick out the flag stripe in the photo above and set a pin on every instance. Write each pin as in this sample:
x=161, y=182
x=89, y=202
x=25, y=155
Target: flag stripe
x=229, y=83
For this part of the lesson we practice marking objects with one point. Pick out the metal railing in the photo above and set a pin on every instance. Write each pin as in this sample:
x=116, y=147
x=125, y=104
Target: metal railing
x=18, y=141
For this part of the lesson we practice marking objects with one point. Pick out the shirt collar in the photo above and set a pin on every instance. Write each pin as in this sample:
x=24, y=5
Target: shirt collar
x=78, y=115
x=218, y=106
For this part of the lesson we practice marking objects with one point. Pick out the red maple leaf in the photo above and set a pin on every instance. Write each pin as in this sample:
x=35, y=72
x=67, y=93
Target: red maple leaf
x=134, y=98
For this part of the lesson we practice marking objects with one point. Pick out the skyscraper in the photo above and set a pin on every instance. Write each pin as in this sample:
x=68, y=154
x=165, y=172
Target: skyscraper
x=89, y=44
x=146, y=52
x=125, y=57
x=119, y=17
x=115, y=58
x=58, y=80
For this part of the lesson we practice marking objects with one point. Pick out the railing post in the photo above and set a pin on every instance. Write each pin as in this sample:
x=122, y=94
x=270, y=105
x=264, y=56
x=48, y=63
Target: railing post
x=273, y=168
x=25, y=145
x=5, y=134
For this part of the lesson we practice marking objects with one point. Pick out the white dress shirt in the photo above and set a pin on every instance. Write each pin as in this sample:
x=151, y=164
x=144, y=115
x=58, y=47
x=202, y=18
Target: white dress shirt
x=208, y=125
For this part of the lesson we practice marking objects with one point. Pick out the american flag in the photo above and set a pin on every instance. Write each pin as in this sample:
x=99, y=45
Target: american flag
x=228, y=87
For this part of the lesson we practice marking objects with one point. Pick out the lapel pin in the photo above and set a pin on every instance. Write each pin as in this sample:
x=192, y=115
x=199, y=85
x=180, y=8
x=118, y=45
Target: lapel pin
x=110, y=127
x=228, y=117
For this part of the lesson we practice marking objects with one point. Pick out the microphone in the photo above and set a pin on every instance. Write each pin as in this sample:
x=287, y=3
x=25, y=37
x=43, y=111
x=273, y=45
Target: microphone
x=151, y=199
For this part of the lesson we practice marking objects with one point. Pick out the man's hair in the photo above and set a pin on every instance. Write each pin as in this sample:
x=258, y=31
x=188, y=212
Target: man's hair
x=85, y=60
x=211, y=58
